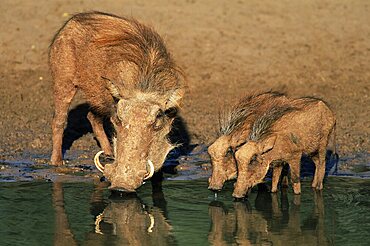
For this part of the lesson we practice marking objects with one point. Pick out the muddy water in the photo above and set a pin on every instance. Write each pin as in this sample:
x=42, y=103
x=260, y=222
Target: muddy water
x=183, y=213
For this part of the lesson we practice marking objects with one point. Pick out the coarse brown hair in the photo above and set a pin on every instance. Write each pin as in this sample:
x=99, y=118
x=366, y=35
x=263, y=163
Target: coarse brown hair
x=136, y=43
x=262, y=125
x=232, y=118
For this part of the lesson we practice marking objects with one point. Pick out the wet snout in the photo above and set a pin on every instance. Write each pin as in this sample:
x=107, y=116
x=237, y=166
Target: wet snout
x=240, y=193
x=126, y=183
x=124, y=179
x=214, y=188
x=124, y=187
x=216, y=182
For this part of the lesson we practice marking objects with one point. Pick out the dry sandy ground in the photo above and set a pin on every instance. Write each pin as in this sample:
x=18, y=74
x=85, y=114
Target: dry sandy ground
x=226, y=48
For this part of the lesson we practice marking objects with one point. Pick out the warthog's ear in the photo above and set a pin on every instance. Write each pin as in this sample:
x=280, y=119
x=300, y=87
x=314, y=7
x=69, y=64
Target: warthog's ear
x=112, y=88
x=174, y=98
x=268, y=144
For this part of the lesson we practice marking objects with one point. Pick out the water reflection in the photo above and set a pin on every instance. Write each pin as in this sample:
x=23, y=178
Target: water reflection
x=275, y=221
x=133, y=223
x=240, y=225
x=63, y=235
x=44, y=213
x=124, y=220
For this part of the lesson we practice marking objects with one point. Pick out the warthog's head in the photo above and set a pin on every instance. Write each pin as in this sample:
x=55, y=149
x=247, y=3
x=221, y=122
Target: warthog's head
x=142, y=122
x=223, y=163
x=252, y=168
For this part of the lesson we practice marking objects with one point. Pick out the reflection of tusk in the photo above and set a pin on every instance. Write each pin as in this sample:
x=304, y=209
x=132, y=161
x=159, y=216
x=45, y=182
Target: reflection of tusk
x=98, y=165
x=98, y=219
x=151, y=172
x=150, y=228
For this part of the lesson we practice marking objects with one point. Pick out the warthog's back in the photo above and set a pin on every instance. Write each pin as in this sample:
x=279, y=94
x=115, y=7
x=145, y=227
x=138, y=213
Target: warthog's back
x=307, y=125
x=95, y=46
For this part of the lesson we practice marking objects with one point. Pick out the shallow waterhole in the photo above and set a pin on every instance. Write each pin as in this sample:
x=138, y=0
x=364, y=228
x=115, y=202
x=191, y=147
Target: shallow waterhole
x=44, y=205
x=183, y=213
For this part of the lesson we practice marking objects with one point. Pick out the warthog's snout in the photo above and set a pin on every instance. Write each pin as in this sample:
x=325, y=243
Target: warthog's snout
x=125, y=180
x=215, y=184
x=122, y=178
x=124, y=186
x=214, y=189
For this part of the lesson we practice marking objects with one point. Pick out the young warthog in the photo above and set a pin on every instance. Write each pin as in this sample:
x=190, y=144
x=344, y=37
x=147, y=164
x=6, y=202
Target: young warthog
x=235, y=125
x=284, y=133
x=127, y=75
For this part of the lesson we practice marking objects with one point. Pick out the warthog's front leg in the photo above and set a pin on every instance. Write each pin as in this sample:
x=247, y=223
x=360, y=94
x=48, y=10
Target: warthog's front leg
x=276, y=173
x=98, y=129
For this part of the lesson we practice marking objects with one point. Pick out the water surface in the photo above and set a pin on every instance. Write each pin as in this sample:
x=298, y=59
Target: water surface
x=183, y=213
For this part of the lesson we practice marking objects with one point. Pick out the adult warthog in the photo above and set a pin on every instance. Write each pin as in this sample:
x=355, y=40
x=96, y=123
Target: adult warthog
x=128, y=76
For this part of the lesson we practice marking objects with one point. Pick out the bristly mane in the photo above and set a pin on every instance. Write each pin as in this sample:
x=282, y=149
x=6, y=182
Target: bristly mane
x=129, y=40
x=310, y=99
x=262, y=125
x=231, y=118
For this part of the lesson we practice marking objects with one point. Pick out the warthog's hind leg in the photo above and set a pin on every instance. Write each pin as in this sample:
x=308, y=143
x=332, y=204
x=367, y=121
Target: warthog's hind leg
x=295, y=172
x=319, y=160
x=63, y=96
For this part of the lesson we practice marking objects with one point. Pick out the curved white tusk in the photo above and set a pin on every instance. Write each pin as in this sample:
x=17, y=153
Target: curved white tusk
x=151, y=172
x=98, y=165
x=150, y=228
x=98, y=219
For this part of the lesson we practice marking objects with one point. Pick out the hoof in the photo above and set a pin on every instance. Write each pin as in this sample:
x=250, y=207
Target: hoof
x=273, y=190
x=240, y=199
x=57, y=163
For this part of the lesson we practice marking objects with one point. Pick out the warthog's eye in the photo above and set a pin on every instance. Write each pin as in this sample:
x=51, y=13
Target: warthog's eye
x=159, y=120
x=160, y=114
x=171, y=112
x=254, y=160
x=229, y=152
